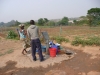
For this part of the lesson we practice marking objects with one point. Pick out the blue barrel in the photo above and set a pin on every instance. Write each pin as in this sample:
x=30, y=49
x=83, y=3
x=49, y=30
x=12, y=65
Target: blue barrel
x=43, y=48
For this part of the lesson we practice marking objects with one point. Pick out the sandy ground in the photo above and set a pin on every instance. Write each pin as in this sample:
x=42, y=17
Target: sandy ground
x=86, y=61
x=26, y=60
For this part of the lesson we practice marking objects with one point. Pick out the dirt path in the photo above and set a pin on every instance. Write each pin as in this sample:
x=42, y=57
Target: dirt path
x=79, y=65
x=85, y=62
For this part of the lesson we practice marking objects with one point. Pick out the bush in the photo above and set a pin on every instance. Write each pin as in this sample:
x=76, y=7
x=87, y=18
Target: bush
x=59, y=39
x=11, y=35
x=89, y=41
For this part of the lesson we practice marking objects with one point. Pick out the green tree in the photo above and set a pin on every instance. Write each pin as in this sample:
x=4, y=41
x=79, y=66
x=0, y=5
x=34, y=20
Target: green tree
x=51, y=23
x=46, y=20
x=75, y=22
x=83, y=17
x=64, y=21
x=57, y=23
x=93, y=16
x=41, y=21
x=27, y=23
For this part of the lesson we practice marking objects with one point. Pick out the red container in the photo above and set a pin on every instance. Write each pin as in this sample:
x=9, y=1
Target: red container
x=52, y=52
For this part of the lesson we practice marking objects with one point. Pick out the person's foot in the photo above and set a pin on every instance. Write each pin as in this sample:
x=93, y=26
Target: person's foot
x=34, y=59
x=41, y=60
x=23, y=53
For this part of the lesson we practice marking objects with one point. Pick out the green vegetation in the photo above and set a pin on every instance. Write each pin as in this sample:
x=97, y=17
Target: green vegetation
x=51, y=23
x=2, y=54
x=81, y=22
x=7, y=52
x=89, y=41
x=12, y=35
x=94, y=16
x=11, y=23
x=46, y=22
x=41, y=21
x=64, y=21
x=60, y=39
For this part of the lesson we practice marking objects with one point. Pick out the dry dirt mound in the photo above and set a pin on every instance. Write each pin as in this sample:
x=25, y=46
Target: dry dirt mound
x=11, y=50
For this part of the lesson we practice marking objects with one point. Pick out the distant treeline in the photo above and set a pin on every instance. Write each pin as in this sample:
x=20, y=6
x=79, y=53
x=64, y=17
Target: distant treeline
x=11, y=23
x=92, y=19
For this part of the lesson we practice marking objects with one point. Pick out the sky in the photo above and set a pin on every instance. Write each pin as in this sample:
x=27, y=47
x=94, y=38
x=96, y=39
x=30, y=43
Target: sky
x=25, y=10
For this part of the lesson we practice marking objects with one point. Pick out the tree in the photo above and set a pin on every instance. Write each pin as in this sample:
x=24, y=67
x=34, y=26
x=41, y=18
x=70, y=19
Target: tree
x=17, y=23
x=75, y=22
x=46, y=20
x=51, y=23
x=94, y=16
x=64, y=21
x=27, y=23
x=2, y=23
x=94, y=12
x=41, y=21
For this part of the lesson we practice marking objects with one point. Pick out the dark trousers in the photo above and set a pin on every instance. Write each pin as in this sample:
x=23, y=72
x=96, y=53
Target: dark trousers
x=36, y=44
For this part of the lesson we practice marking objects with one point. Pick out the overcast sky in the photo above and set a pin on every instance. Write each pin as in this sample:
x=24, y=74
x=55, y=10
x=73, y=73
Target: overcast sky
x=25, y=10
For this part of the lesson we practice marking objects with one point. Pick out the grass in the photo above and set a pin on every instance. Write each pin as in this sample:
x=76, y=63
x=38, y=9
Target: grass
x=60, y=39
x=70, y=32
x=7, y=52
x=1, y=54
x=95, y=40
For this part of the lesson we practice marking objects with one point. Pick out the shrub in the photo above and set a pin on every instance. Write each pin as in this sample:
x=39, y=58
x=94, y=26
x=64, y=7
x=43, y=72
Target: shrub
x=77, y=41
x=90, y=41
x=11, y=35
x=59, y=39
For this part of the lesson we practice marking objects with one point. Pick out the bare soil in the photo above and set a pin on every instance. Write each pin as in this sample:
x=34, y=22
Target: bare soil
x=81, y=64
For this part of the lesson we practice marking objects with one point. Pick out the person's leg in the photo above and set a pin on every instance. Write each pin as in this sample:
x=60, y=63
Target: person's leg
x=33, y=46
x=24, y=46
x=23, y=52
x=38, y=45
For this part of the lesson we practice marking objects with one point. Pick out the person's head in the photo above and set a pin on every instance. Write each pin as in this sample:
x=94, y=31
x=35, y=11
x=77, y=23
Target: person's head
x=21, y=26
x=32, y=22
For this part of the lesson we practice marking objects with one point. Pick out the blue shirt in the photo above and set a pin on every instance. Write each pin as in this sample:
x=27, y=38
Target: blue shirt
x=21, y=33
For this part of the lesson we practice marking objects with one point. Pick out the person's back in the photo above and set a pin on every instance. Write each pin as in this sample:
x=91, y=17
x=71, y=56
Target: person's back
x=33, y=32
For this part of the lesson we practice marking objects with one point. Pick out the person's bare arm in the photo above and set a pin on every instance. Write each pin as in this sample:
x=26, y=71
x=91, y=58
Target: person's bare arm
x=28, y=35
x=25, y=32
x=18, y=33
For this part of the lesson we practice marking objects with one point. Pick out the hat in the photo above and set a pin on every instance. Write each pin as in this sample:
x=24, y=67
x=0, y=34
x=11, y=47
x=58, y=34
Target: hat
x=21, y=25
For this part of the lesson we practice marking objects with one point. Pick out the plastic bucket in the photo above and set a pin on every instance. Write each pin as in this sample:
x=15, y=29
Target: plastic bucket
x=54, y=46
x=52, y=52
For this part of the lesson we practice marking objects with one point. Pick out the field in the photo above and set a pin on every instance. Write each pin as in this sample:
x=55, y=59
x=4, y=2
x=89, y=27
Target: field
x=72, y=31
x=85, y=62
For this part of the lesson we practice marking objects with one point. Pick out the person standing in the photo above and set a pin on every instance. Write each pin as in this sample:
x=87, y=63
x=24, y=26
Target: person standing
x=33, y=35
